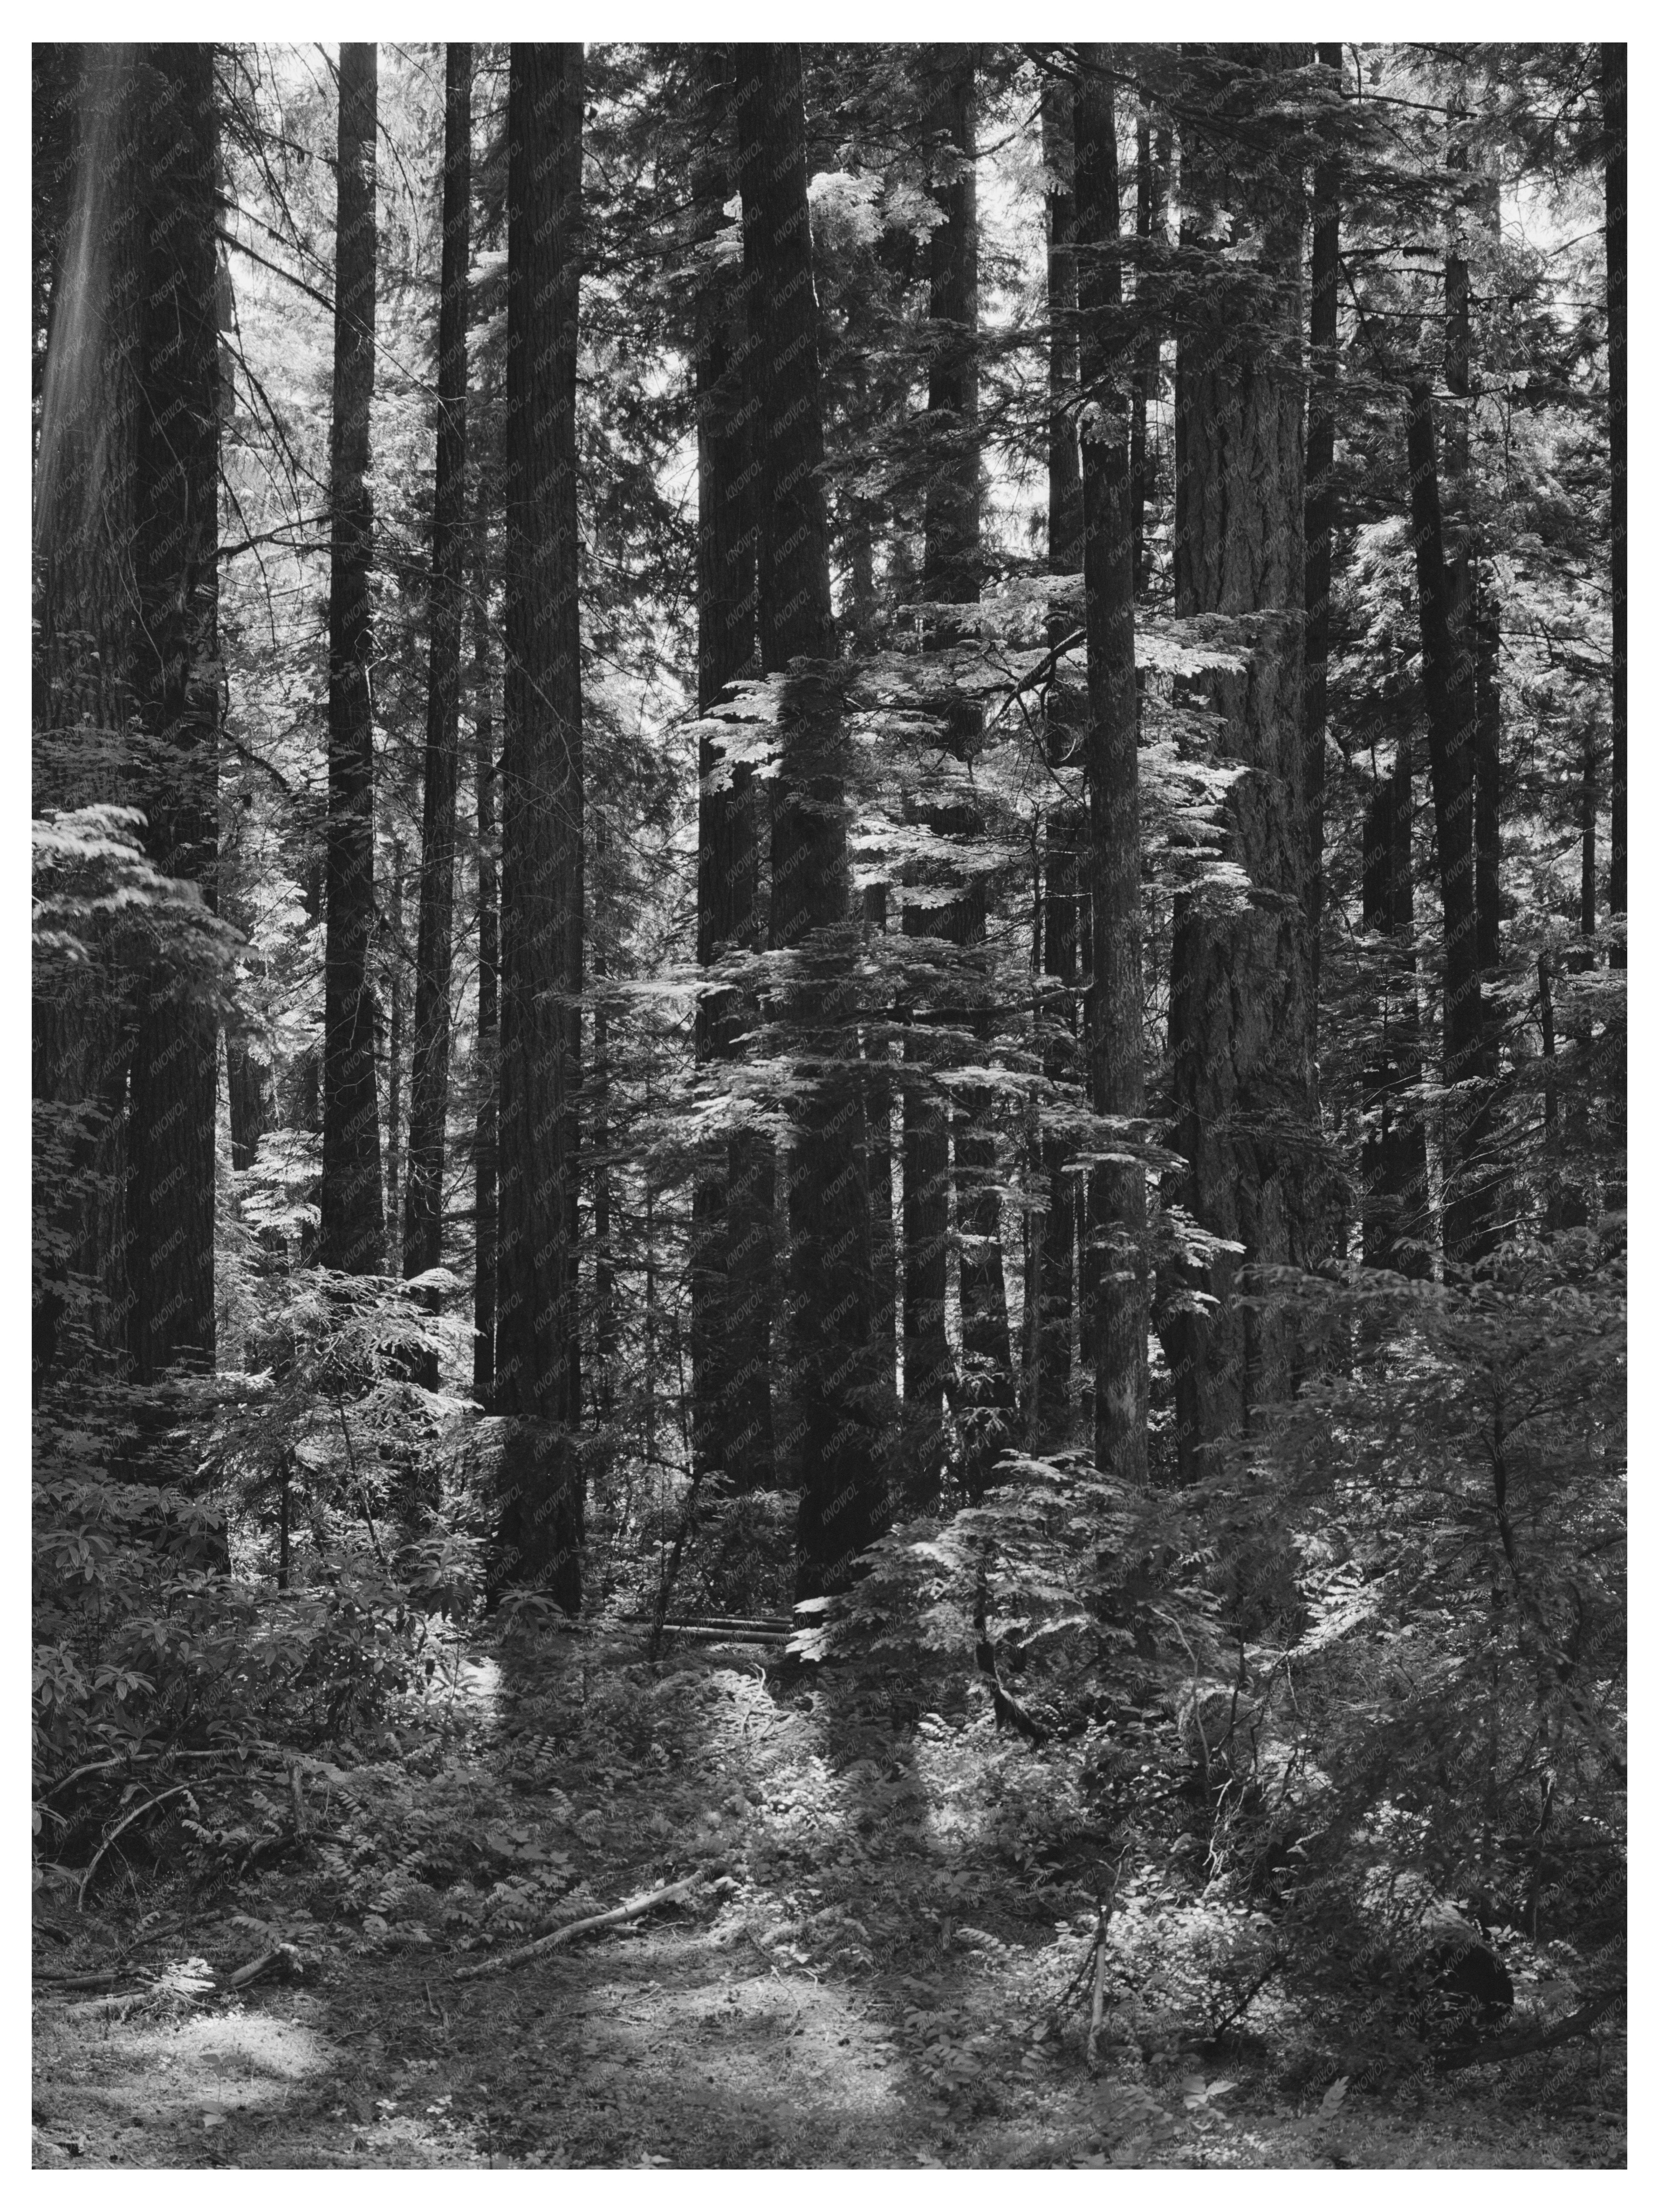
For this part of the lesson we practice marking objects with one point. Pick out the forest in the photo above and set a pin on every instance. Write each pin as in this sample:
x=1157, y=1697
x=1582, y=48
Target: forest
x=829, y=860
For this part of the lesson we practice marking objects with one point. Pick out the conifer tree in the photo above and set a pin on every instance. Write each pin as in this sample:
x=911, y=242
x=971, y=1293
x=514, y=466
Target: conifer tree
x=1241, y=1035
x=731, y=1281
x=353, y=1222
x=1117, y=1212
x=843, y=1504
x=1064, y=898
x=537, y=1376
x=430, y=1075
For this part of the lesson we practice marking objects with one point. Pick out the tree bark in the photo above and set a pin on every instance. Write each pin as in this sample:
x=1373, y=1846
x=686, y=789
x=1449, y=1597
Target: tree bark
x=1394, y=1163
x=1241, y=1030
x=126, y=708
x=878, y=1148
x=925, y=1223
x=1553, y=1192
x=1450, y=702
x=1152, y=151
x=1054, y=1230
x=603, y=1383
x=538, y=1379
x=353, y=1224
x=950, y=573
x=732, y=1293
x=488, y=1070
x=172, y=1093
x=1614, y=65
x=1472, y=619
x=85, y=519
x=250, y=1090
x=951, y=567
x=428, y=1104
x=1320, y=516
x=1614, y=1053
x=843, y=1504
x=951, y=558
x=1117, y=1073
x=1486, y=642
x=394, y=1028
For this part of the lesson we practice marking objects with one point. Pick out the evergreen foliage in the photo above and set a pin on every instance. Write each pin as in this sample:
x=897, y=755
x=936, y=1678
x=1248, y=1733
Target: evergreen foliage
x=889, y=877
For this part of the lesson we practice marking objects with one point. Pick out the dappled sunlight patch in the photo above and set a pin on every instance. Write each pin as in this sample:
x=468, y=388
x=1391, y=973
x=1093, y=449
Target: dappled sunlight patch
x=245, y=2044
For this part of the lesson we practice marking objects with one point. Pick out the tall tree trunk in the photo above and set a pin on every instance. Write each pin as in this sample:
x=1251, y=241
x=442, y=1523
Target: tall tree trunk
x=173, y=1096
x=55, y=85
x=1320, y=513
x=950, y=573
x=924, y=1224
x=878, y=1146
x=862, y=520
x=1615, y=64
x=300, y=1096
x=487, y=1065
x=843, y=1503
x=250, y=1091
x=1569, y=1207
x=733, y=1292
x=1064, y=828
x=1587, y=801
x=603, y=1383
x=1152, y=151
x=1395, y=1165
x=1554, y=1198
x=353, y=1226
x=1486, y=644
x=538, y=1379
x=428, y=1104
x=1456, y=522
x=1448, y=696
x=951, y=564
x=126, y=706
x=394, y=1034
x=1471, y=615
x=1614, y=1053
x=86, y=500
x=1117, y=1071
x=1240, y=1030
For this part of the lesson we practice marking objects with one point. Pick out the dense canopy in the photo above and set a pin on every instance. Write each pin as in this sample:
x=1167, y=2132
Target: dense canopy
x=830, y=848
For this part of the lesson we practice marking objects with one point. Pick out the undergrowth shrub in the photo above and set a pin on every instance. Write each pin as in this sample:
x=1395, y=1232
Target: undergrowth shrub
x=1344, y=1721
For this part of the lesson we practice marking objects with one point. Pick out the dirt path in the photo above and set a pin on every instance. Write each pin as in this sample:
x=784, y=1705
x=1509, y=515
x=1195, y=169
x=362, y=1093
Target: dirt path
x=870, y=1989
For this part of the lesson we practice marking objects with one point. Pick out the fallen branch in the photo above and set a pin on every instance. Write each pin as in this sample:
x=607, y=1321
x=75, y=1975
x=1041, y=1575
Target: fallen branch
x=76, y=1774
x=636, y=1909
x=1521, y=2046
x=160, y=1755
x=178, y=1790
x=283, y=1959
x=726, y=1623
x=727, y=1635
x=155, y=1935
x=104, y=1980
x=1097, y=2010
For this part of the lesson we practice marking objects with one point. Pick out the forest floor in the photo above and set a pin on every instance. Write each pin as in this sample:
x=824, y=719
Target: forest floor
x=859, y=1981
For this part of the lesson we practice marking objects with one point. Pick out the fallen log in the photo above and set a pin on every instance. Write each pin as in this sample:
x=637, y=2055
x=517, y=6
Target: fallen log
x=284, y=1961
x=636, y=1909
x=1491, y=2053
x=769, y=1624
x=697, y=1630
x=106, y=1979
